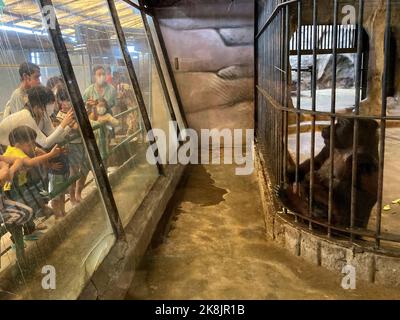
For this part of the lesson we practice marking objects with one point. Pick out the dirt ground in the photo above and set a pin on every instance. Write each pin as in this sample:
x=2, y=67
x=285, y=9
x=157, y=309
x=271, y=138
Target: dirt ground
x=215, y=248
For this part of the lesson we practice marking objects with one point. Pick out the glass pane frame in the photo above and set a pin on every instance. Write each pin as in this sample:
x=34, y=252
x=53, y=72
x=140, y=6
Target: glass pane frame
x=130, y=173
x=159, y=93
x=63, y=62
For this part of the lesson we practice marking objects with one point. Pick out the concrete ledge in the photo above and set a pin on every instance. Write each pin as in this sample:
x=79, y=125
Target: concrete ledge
x=49, y=241
x=331, y=254
x=115, y=274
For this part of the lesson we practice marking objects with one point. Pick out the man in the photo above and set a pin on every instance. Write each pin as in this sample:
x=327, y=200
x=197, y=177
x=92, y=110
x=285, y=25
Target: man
x=100, y=89
x=30, y=77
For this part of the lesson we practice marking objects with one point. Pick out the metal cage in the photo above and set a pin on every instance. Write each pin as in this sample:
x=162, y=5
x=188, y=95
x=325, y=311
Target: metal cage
x=285, y=28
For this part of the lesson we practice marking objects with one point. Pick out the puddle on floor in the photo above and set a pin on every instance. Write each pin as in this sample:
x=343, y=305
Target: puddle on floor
x=196, y=187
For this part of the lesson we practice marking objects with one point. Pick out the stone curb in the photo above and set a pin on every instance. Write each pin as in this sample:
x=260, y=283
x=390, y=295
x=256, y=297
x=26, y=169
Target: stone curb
x=331, y=254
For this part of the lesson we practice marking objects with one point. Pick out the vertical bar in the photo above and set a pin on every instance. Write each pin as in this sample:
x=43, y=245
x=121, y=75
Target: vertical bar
x=274, y=86
x=133, y=77
x=365, y=60
x=17, y=233
x=382, y=139
x=287, y=90
x=329, y=35
x=159, y=69
x=169, y=69
x=85, y=128
x=357, y=112
x=333, y=110
x=275, y=81
x=314, y=96
x=281, y=95
x=256, y=80
x=298, y=100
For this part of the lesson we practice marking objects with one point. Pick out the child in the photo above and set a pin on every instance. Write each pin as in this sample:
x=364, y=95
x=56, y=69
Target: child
x=78, y=165
x=100, y=114
x=22, y=146
x=58, y=176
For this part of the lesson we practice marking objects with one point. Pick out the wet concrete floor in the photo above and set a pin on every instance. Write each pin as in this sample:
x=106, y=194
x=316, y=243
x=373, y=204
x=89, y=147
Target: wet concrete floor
x=214, y=247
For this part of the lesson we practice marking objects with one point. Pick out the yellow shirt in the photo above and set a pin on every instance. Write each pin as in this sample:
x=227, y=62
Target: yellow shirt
x=22, y=174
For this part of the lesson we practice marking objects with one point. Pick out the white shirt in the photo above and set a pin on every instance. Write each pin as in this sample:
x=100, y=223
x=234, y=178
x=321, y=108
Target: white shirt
x=24, y=118
x=16, y=102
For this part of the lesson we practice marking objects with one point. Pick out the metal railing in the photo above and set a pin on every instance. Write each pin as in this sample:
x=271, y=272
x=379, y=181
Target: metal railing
x=346, y=39
x=92, y=150
x=105, y=154
x=276, y=39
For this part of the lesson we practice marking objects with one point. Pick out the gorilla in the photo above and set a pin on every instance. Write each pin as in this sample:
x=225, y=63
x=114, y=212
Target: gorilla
x=366, y=185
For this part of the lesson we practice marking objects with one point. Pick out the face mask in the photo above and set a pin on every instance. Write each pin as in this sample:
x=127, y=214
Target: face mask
x=66, y=106
x=100, y=80
x=50, y=109
x=101, y=110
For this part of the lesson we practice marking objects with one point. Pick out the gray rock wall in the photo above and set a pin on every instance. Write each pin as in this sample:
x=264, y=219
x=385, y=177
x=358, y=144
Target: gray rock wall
x=210, y=46
x=374, y=25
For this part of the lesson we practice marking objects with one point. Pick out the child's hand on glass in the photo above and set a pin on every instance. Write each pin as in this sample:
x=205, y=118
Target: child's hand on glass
x=68, y=120
x=56, y=151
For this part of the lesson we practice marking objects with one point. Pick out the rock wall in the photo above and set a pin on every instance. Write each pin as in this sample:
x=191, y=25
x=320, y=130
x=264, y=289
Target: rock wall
x=345, y=71
x=374, y=25
x=210, y=46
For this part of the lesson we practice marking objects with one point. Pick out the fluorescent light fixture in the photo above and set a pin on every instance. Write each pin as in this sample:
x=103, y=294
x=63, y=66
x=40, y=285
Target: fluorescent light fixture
x=31, y=31
x=21, y=30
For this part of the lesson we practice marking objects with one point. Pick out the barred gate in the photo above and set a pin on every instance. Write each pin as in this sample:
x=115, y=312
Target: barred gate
x=275, y=40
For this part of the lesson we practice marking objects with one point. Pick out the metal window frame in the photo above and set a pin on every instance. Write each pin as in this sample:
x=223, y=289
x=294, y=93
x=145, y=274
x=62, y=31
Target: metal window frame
x=159, y=69
x=134, y=79
x=85, y=128
x=170, y=71
x=91, y=148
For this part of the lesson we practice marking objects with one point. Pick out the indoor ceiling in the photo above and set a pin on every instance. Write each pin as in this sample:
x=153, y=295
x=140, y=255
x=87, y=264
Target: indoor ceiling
x=70, y=14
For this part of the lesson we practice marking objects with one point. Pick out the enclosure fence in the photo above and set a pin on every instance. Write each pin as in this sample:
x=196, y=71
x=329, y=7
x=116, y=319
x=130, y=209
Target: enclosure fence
x=283, y=29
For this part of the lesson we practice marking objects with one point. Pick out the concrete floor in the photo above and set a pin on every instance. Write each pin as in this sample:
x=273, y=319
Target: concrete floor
x=215, y=248
x=345, y=98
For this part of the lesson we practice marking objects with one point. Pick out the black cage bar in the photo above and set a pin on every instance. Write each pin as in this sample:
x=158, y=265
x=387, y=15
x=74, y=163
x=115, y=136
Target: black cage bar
x=283, y=31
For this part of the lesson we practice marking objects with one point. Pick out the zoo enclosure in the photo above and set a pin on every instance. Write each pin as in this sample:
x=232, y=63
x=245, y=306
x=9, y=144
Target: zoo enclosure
x=275, y=41
x=85, y=34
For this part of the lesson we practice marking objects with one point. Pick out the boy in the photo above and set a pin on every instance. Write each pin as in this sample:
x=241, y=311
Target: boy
x=99, y=114
x=76, y=152
x=30, y=77
x=23, y=146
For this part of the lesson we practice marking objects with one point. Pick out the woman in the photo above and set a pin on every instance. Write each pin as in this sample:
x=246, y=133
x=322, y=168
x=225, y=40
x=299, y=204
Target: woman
x=34, y=115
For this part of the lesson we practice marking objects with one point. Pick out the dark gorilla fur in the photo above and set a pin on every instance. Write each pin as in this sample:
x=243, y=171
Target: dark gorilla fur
x=367, y=176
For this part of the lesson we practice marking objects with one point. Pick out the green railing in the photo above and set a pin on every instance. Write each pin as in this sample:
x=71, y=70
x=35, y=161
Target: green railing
x=100, y=131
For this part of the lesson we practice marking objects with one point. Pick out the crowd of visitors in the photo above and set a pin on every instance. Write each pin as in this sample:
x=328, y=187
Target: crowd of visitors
x=43, y=159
